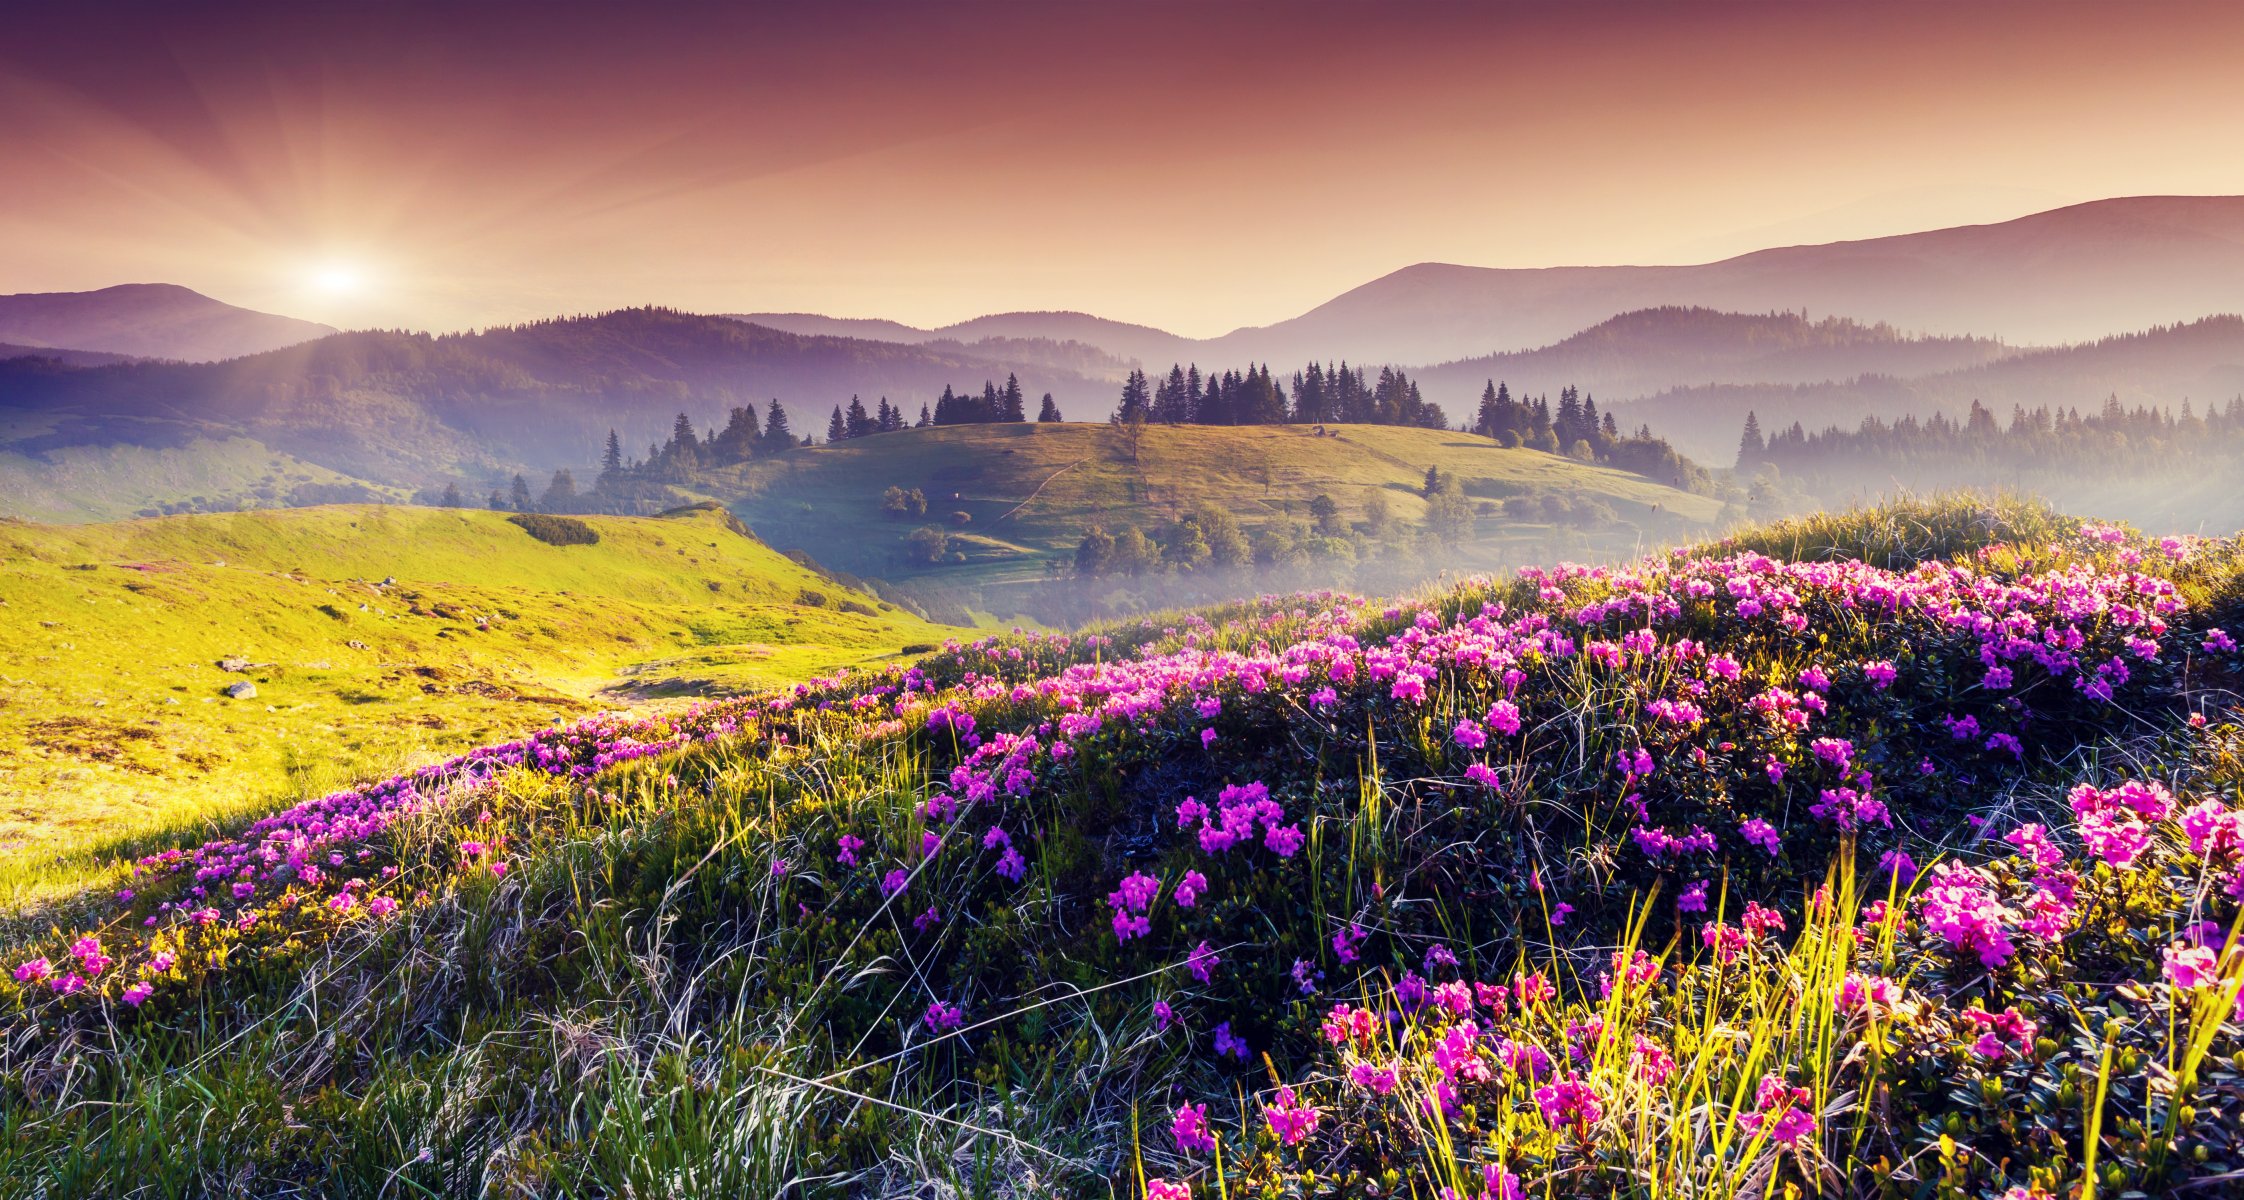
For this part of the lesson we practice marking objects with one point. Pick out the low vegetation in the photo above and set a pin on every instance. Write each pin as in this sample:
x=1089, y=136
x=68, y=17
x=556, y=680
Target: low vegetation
x=1908, y=864
x=168, y=672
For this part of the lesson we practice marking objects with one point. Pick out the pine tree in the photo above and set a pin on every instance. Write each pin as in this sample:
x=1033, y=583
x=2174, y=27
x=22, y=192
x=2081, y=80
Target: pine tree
x=1137, y=400
x=856, y=422
x=738, y=440
x=1050, y=413
x=522, y=502
x=835, y=430
x=777, y=435
x=924, y=421
x=452, y=496
x=946, y=408
x=561, y=494
x=496, y=503
x=1485, y=422
x=611, y=461
x=1013, y=407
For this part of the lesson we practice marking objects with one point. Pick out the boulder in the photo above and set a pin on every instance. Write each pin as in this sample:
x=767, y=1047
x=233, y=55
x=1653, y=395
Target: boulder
x=241, y=691
x=236, y=665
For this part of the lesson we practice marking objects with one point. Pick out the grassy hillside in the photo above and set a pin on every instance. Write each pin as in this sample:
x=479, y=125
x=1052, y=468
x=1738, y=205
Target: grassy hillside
x=1718, y=876
x=113, y=482
x=1029, y=490
x=113, y=711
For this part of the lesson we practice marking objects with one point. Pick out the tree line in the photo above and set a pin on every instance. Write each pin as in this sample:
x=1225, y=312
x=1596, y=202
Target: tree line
x=1321, y=395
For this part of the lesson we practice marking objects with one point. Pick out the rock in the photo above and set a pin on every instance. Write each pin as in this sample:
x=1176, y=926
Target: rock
x=241, y=691
x=356, y=645
x=235, y=665
x=389, y=581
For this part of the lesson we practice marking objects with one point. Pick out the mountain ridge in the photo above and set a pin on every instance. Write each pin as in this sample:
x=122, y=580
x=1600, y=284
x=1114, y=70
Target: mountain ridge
x=148, y=320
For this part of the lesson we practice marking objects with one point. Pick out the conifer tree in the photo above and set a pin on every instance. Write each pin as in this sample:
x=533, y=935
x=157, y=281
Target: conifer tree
x=1137, y=400
x=522, y=501
x=1050, y=413
x=835, y=430
x=611, y=460
x=777, y=434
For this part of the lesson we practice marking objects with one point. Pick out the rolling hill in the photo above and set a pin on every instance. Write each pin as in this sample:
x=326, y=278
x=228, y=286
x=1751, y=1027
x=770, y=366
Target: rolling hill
x=147, y=320
x=373, y=637
x=1017, y=498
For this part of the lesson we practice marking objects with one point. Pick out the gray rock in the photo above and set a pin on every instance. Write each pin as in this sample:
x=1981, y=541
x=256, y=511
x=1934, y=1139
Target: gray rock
x=241, y=691
x=236, y=665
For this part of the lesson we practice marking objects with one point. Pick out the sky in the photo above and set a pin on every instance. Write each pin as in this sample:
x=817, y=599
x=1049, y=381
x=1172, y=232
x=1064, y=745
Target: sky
x=1197, y=167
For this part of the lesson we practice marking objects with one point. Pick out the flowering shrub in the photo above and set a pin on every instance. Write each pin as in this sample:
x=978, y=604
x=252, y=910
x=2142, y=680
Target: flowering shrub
x=1512, y=890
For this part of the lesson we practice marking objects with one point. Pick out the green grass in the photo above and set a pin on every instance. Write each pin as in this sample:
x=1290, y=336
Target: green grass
x=113, y=710
x=1030, y=490
x=642, y=1005
x=113, y=482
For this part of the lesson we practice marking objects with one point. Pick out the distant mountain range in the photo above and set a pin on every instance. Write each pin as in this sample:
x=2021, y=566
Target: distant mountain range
x=405, y=408
x=2066, y=275
x=1658, y=349
x=2201, y=362
x=1818, y=334
x=146, y=320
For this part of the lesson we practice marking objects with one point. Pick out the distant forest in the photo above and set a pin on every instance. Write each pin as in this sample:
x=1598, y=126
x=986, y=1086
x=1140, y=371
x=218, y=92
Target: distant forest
x=1324, y=395
x=2141, y=463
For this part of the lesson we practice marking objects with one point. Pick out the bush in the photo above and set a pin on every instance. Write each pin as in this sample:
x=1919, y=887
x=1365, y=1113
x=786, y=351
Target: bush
x=810, y=599
x=927, y=544
x=556, y=531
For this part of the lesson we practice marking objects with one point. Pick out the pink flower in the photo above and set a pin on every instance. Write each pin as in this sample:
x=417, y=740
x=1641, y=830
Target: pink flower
x=2191, y=967
x=1569, y=1102
x=1762, y=834
x=1163, y=1189
x=1190, y=1129
x=33, y=971
x=137, y=993
x=1202, y=962
x=941, y=1016
x=1289, y=1118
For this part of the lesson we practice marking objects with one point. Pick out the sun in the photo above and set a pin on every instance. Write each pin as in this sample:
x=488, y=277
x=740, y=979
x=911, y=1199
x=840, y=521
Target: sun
x=338, y=279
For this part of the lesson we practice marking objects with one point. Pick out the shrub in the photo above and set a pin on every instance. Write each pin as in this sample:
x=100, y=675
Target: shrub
x=556, y=531
x=927, y=544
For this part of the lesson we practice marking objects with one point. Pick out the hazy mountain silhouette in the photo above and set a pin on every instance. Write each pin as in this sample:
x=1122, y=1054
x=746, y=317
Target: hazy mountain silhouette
x=2065, y=275
x=68, y=357
x=147, y=320
x=1657, y=349
x=2199, y=361
x=397, y=407
x=1129, y=343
